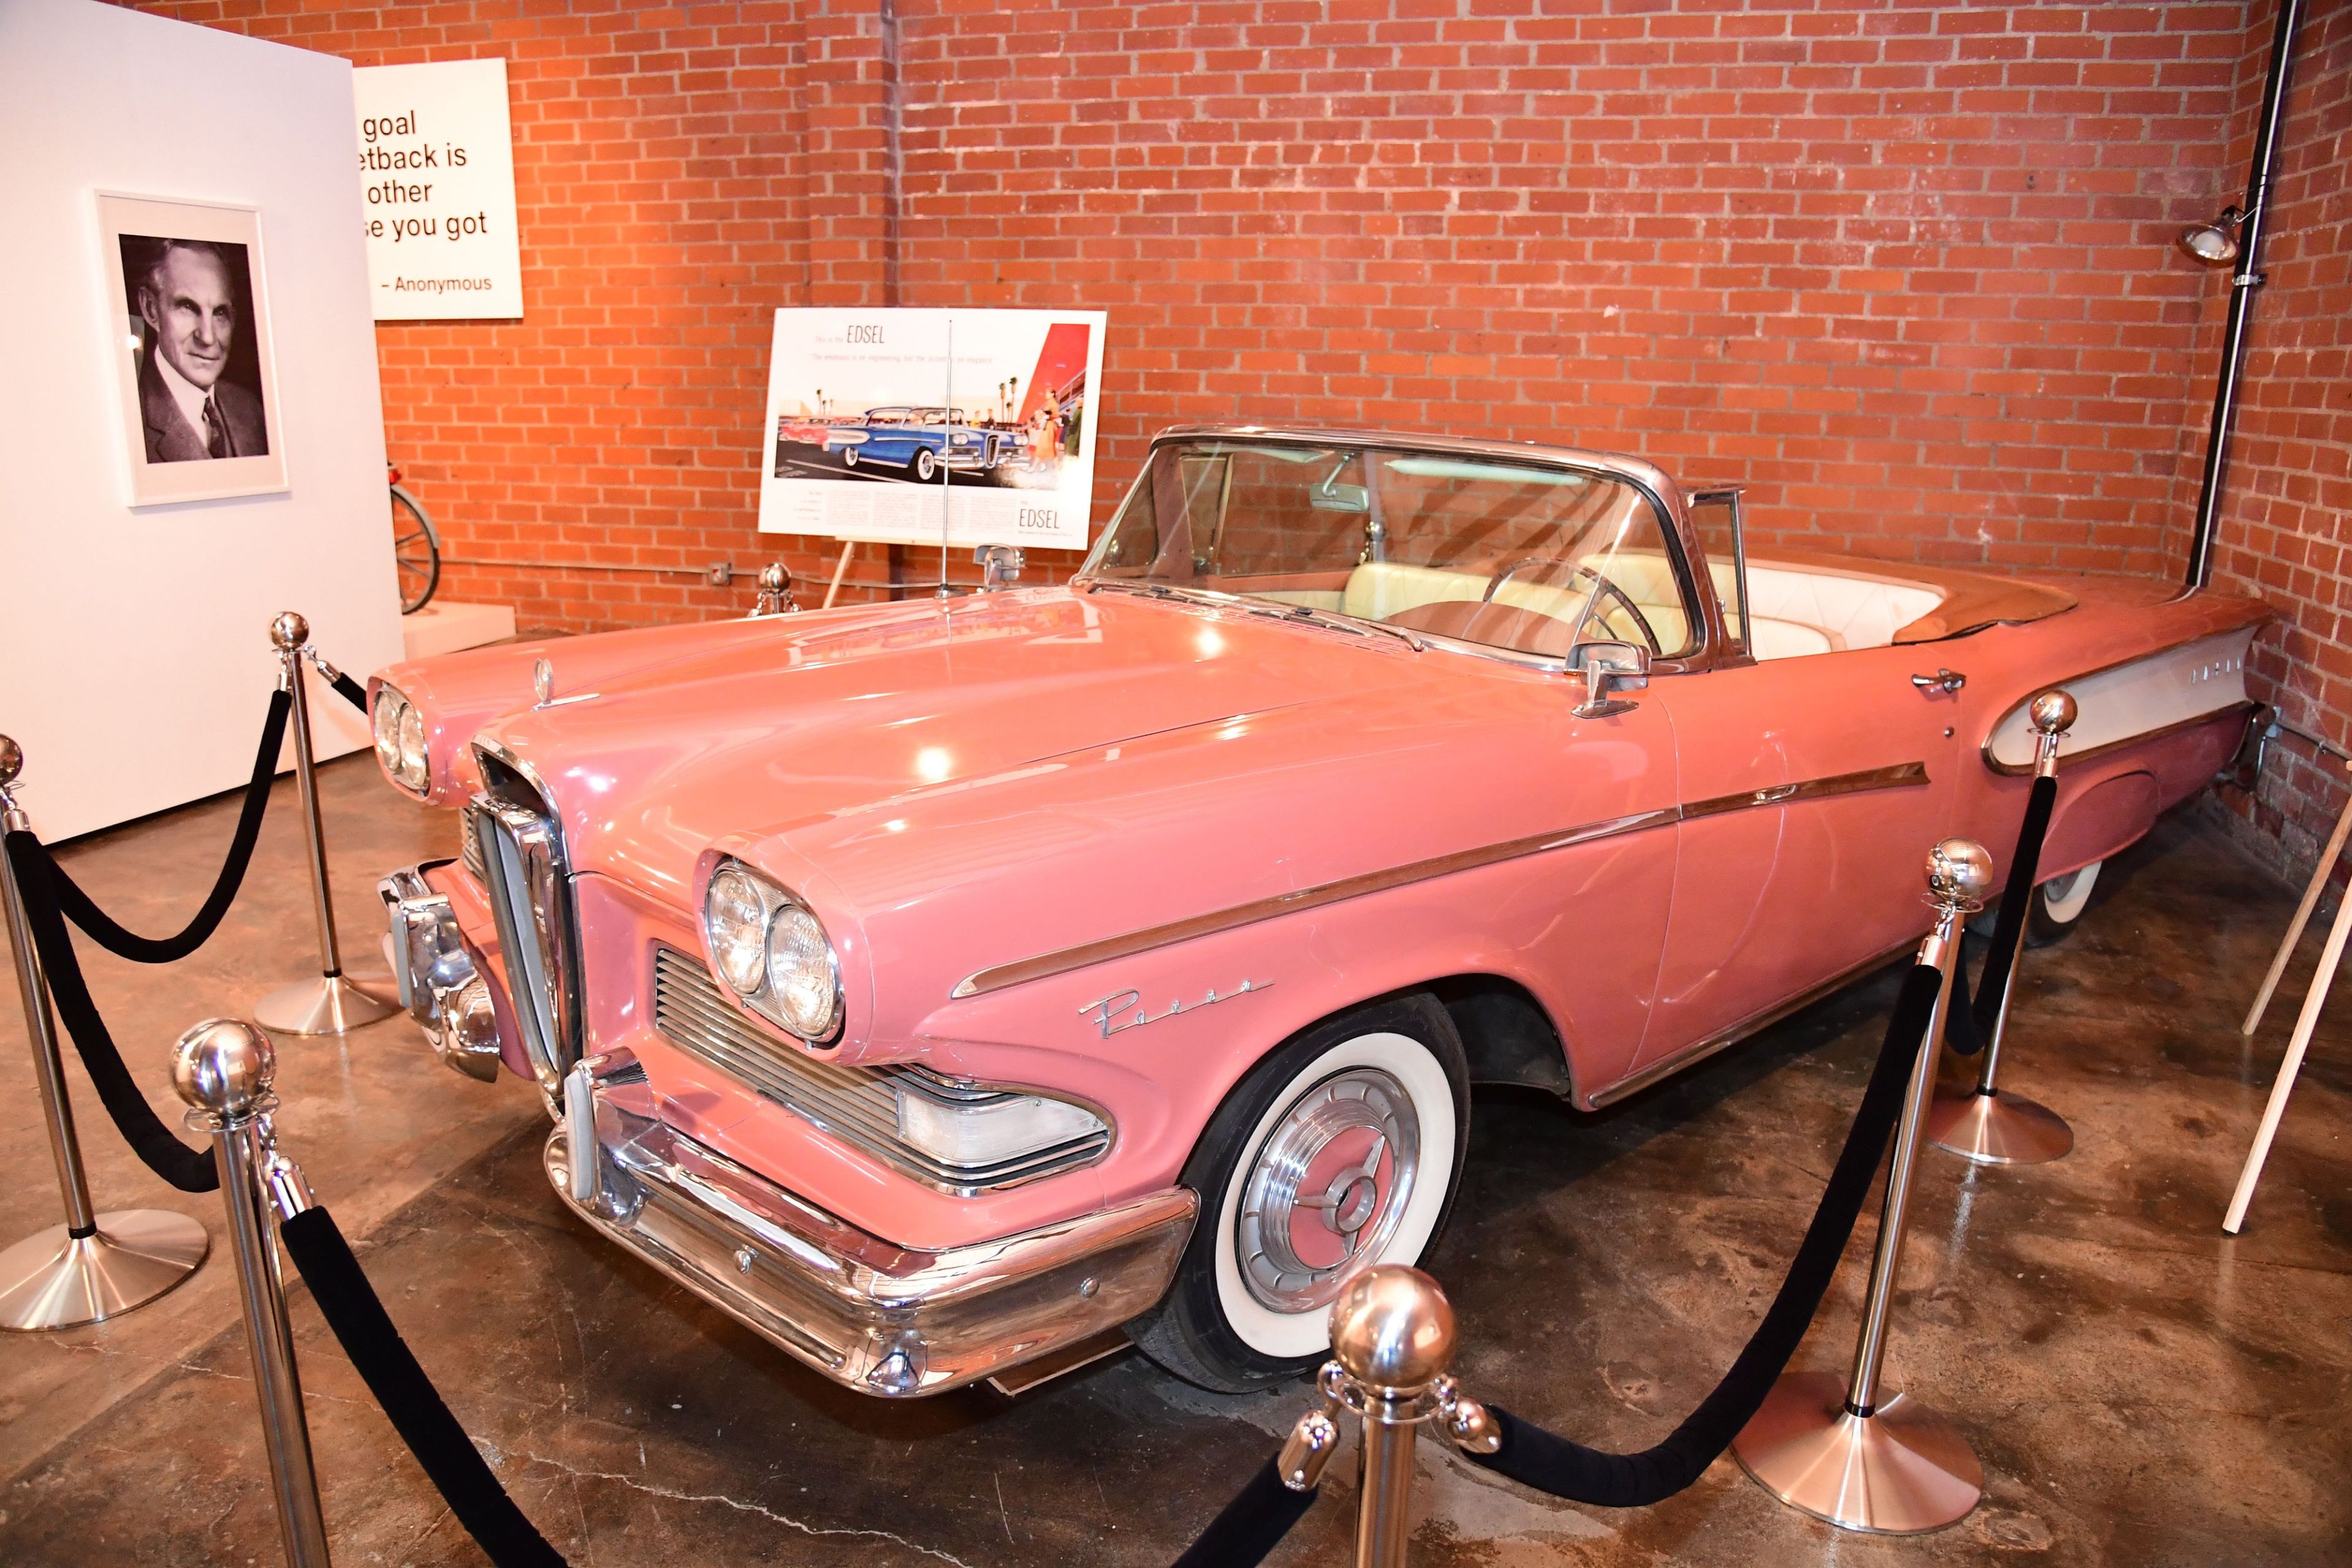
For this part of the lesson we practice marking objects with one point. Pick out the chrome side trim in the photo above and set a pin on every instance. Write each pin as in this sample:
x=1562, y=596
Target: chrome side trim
x=873, y=1316
x=1636, y=1081
x=1904, y=774
x=1900, y=776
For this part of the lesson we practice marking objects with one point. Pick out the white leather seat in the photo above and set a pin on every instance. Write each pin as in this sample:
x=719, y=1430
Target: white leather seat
x=1792, y=612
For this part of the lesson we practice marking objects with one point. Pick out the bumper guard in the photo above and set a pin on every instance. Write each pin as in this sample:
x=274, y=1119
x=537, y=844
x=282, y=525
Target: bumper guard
x=439, y=985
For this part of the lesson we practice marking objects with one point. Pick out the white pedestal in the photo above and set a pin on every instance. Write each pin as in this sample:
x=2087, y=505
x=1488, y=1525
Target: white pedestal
x=444, y=627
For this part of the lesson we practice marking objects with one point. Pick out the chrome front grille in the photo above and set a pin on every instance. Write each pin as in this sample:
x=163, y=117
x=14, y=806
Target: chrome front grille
x=859, y=1106
x=470, y=846
x=521, y=848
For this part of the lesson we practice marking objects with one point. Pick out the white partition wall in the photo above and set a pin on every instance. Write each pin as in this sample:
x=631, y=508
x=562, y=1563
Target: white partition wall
x=134, y=659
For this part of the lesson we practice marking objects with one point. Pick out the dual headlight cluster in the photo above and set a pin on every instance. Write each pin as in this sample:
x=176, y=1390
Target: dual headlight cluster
x=772, y=952
x=400, y=739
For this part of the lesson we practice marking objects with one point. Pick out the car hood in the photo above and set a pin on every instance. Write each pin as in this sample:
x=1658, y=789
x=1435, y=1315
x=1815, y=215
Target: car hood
x=793, y=723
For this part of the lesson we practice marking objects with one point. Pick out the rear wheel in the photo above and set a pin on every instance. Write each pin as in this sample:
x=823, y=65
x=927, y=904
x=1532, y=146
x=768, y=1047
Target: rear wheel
x=2059, y=903
x=849, y=457
x=1339, y=1151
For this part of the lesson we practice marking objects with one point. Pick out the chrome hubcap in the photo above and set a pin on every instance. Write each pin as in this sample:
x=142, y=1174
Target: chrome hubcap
x=1327, y=1190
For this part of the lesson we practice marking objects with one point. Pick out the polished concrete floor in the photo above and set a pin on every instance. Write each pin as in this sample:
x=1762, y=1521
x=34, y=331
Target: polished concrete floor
x=2141, y=1388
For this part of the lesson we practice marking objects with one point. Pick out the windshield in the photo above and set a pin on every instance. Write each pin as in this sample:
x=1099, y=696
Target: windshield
x=1510, y=554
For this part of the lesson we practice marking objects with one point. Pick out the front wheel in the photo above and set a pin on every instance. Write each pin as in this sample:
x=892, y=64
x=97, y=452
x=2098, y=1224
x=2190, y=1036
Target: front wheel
x=1339, y=1151
x=924, y=465
x=415, y=552
x=2059, y=903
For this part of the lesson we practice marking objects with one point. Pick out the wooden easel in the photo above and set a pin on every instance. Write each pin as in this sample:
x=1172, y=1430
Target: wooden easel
x=2305, y=1022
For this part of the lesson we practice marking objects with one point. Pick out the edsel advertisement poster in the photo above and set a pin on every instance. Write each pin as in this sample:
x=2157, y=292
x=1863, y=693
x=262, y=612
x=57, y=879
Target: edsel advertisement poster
x=895, y=425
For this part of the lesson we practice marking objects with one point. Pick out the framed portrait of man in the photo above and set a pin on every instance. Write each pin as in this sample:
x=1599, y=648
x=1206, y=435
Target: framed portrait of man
x=189, y=322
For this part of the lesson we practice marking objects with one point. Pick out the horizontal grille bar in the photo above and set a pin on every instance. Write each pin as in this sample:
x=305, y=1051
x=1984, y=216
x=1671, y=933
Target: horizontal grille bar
x=858, y=1105
x=469, y=845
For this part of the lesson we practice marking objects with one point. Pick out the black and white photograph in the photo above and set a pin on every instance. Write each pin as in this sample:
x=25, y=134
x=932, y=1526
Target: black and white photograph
x=198, y=387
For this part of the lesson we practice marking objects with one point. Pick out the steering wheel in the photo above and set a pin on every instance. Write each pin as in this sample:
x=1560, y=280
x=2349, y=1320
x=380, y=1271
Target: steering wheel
x=1602, y=589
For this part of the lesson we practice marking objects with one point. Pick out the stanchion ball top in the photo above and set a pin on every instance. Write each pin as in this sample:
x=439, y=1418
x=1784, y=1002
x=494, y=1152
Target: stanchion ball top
x=1959, y=869
x=775, y=577
x=11, y=761
x=2054, y=712
x=224, y=1065
x=289, y=632
x=1392, y=1329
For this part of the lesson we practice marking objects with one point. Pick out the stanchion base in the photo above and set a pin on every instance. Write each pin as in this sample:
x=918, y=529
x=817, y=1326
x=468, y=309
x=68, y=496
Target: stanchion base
x=55, y=1280
x=2001, y=1129
x=1901, y=1470
x=329, y=1004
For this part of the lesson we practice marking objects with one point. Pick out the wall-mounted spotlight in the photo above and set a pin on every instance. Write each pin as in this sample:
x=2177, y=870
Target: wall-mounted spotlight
x=2216, y=242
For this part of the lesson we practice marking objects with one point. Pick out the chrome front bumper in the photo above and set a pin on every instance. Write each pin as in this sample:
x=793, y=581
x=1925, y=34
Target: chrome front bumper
x=870, y=1315
x=450, y=1002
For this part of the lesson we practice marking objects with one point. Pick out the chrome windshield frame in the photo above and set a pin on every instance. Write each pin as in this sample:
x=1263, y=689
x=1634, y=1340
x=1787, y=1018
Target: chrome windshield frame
x=1686, y=556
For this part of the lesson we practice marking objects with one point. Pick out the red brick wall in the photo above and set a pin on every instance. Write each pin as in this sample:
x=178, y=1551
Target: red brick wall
x=1904, y=267
x=2289, y=482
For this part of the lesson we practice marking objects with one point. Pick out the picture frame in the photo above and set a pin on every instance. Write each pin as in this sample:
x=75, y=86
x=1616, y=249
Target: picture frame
x=188, y=327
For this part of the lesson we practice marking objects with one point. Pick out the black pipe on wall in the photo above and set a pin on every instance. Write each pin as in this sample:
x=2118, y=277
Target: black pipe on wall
x=2242, y=285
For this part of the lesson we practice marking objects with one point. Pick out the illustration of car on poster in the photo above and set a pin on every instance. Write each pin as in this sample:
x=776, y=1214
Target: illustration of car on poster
x=867, y=406
x=921, y=440
x=944, y=987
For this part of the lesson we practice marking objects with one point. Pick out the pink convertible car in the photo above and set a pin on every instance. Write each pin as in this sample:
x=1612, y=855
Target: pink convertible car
x=940, y=987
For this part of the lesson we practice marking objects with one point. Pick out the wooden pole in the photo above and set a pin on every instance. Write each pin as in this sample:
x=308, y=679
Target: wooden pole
x=2316, y=999
x=841, y=570
x=2302, y=914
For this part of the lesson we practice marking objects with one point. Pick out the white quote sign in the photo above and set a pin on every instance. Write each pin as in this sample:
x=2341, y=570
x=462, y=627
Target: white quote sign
x=966, y=427
x=436, y=166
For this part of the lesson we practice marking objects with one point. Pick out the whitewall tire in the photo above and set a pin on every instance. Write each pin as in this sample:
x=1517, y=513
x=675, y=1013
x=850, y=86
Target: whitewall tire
x=2059, y=903
x=1340, y=1150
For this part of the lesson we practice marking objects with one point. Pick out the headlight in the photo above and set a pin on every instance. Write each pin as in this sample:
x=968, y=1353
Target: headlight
x=801, y=972
x=971, y=1129
x=735, y=919
x=774, y=951
x=400, y=740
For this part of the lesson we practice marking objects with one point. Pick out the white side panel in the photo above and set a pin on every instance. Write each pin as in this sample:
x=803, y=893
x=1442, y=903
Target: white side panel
x=134, y=655
x=2149, y=694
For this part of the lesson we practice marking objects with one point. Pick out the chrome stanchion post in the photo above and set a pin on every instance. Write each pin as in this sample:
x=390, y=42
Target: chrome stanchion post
x=1983, y=1124
x=775, y=591
x=1392, y=1338
x=224, y=1069
x=94, y=1266
x=335, y=1001
x=1848, y=1451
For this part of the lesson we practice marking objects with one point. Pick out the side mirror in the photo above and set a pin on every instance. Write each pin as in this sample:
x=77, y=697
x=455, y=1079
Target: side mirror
x=1604, y=666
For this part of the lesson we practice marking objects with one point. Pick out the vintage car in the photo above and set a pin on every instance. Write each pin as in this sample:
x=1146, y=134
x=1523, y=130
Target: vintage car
x=938, y=986
x=920, y=440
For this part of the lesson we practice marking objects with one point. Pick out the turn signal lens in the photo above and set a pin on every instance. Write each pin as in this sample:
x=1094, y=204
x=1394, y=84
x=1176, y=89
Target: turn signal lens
x=735, y=920
x=992, y=1129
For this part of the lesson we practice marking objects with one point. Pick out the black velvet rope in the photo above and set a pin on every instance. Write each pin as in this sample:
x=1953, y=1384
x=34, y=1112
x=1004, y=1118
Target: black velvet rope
x=390, y=1369
x=2008, y=926
x=190, y=1170
x=1250, y=1526
x=124, y=943
x=1959, y=1022
x=1548, y=1463
x=352, y=692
